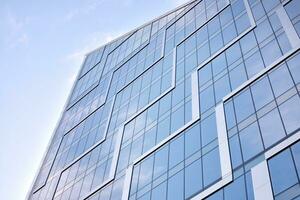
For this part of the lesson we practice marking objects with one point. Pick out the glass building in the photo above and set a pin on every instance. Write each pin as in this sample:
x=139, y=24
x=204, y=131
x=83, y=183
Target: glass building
x=200, y=103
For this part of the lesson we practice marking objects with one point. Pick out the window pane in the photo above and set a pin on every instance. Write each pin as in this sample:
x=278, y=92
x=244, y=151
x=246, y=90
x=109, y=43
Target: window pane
x=254, y=64
x=176, y=152
x=251, y=141
x=296, y=155
x=281, y=80
x=271, y=128
x=175, y=187
x=211, y=167
x=290, y=113
x=208, y=130
x=207, y=99
x=159, y=192
x=262, y=93
x=236, y=190
x=193, y=178
x=161, y=162
x=282, y=171
x=192, y=140
x=243, y=105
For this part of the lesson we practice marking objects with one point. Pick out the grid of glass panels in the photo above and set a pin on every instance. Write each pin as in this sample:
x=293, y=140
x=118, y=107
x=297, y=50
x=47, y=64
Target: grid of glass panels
x=285, y=173
x=138, y=68
x=264, y=113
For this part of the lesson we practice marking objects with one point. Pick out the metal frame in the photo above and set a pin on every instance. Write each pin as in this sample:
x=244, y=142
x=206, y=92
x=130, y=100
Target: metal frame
x=225, y=161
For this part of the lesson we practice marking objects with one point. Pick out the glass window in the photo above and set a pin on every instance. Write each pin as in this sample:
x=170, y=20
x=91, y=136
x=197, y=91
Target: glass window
x=262, y=93
x=211, y=167
x=145, y=172
x=233, y=53
x=290, y=114
x=203, y=53
x=163, y=129
x=235, y=151
x=243, y=105
x=207, y=99
x=242, y=23
x=177, y=119
x=175, y=187
x=271, y=128
x=208, y=130
x=222, y=88
x=282, y=171
x=251, y=141
x=176, y=152
x=236, y=190
x=296, y=155
x=216, y=43
x=192, y=140
x=263, y=30
x=205, y=74
x=161, y=162
x=190, y=44
x=160, y=192
x=270, y=52
x=190, y=62
x=238, y=76
x=254, y=64
x=229, y=114
x=219, y=64
x=229, y=33
x=248, y=42
x=293, y=64
x=193, y=178
x=281, y=80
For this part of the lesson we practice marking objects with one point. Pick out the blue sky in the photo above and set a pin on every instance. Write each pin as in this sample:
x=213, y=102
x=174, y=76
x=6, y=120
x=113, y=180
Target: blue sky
x=42, y=44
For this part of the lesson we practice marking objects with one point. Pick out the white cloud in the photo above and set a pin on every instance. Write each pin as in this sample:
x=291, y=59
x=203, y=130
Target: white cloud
x=178, y=2
x=87, y=8
x=16, y=27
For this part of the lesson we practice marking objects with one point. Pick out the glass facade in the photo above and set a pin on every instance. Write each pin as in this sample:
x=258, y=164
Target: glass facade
x=200, y=103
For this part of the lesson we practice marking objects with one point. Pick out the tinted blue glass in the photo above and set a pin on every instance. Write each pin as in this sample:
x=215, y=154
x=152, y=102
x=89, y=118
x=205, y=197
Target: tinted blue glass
x=293, y=65
x=203, y=53
x=254, y=64
x=207, y=99
x=233, y=53
x=160, y=192
x=208, y=130
x=271, y=128
x=177, y=119
x=270, y=52
x=160, y=162
x=235, y=151
x=236, y=190
x=262, y=93
x=192, y=140
x=281, y=80
x=282, y=171
x=205, y=74
x=222, y=88
x=145, y=172
x=193, y=178
x=175, y=187
x=219, y=64
x=296, y=156
x=211, y=167
x=216, y=196
x=229, y=115
x=243, y=105
x=290, y=114
x=251, y=141
x=238, y=76
x=176, y=151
